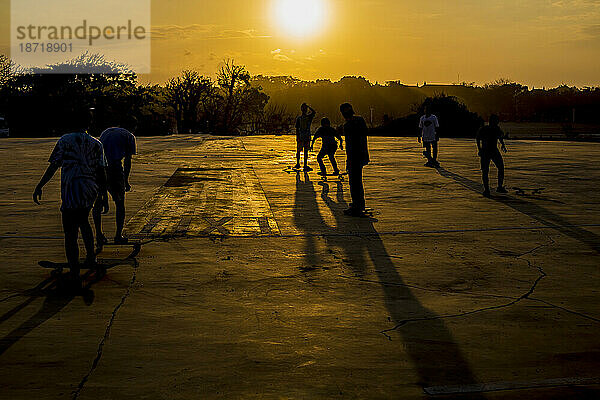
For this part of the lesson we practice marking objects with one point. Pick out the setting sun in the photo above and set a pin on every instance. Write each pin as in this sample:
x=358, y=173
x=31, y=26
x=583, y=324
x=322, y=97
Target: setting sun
x=299, y=17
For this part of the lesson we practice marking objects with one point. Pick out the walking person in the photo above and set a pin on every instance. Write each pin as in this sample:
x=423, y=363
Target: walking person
x=357, y=156
x=329, y=146
x=80, y=158
x=428, y=123
x=487, y=148
x=119, y=146
x=303, y=123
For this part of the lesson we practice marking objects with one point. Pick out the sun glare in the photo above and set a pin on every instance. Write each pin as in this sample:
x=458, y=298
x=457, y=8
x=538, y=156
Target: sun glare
x=300, y=18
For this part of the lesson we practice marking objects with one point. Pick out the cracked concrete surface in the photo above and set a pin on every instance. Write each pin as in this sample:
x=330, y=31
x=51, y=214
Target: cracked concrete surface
x=111, y=321
x=514, y=301
x=255, y=285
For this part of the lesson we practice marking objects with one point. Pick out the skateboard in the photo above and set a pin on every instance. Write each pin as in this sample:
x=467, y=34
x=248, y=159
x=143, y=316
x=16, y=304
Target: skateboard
x=292, y=170
x=135, y=244
x=334, y=177
x=369, y=212
x=101, y=266
x=523, y=191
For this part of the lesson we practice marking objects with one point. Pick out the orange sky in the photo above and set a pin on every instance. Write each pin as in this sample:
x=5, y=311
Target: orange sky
x=536, y=42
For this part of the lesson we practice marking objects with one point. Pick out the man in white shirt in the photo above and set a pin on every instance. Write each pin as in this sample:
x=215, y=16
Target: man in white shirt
x=119, y=146
x=428, y=125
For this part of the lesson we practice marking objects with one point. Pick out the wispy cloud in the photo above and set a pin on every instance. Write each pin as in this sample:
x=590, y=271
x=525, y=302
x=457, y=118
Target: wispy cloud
x=282, y=57
x=576, y=4
x=202, y=32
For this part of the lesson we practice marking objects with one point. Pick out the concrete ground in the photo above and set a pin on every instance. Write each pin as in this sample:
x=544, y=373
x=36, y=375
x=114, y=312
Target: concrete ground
x=251, y=283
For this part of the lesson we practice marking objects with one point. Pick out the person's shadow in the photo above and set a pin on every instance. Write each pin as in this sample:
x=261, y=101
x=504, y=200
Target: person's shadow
x=307, y=217
x=537, y=212
x=427, y=341
x=57, y=296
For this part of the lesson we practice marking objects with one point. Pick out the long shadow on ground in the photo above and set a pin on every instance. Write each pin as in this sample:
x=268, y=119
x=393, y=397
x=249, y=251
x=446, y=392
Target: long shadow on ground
x=532, y=210
x=307, y=217
x=56, y=297
x=430, y=346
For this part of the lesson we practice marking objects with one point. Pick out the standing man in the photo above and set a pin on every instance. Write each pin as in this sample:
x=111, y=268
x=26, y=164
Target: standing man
x=428, y=125
x=303, y=123
x=357, y=156
x=81, y=160
x=487, y=147
x=119, y=145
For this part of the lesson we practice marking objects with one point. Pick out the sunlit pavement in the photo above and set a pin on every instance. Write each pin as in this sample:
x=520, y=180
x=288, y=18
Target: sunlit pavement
x=251, y=283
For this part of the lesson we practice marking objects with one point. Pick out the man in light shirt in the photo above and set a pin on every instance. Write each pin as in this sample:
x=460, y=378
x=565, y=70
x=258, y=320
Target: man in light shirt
x=119, y=145
x=428, y=125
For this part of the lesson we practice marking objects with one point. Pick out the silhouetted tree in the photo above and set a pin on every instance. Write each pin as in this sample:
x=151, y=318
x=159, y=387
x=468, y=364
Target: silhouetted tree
x=86, y=64
x=5, y=75
x=241, y=103
x=185, y=94
x=234, y=81
x=455, y=119
x=237, y=102
x=253, y=110
x=4, y=70
x=50, y=94
x=276, y=119
x=505, y=96
x=326, y=96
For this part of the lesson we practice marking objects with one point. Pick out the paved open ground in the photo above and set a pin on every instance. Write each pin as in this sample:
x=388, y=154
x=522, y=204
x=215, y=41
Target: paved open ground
x=252, y=284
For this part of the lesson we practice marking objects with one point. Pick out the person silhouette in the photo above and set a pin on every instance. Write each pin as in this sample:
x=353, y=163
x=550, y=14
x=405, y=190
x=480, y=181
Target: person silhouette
x=328, y=145
x=80, y=158
x=428, y=123
x=357, y=156
x=303, y=123
x=119, y=145
x=487, y=148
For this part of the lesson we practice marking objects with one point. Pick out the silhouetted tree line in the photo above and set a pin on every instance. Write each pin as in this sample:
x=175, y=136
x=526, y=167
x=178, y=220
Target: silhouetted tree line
x=458, y=121
x=38, y=102
x=35, y=103
x=228, y=105
x=393, y=108
x=518, y=103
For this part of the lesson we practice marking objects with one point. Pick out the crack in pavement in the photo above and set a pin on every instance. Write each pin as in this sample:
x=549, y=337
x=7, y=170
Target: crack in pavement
x=564, y=309
x=111, y=321
x=547, y=302
x=524, y=296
